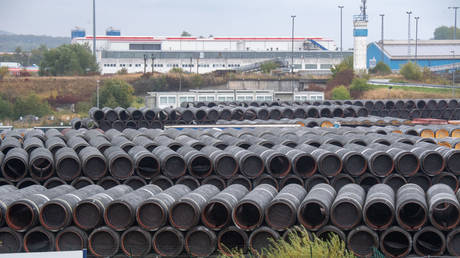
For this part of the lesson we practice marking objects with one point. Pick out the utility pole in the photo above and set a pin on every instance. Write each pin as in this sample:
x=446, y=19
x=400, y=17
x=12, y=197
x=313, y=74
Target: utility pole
x=292, y=54
x=382, y=46
x=455, y=20
x=341, y=45
x=145, y=63
x=408, y=33
x=153, y=62
x=94, y=28
x=97, y=93
x=416, y=37
x=453, y=73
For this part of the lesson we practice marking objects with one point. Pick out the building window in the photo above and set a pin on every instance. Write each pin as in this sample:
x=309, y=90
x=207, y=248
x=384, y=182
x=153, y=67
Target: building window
x=202, y=98
x=297, y=66
x=191, y=98
x=240, y=98
x=163, y=100
x=268, y=98
x=260, y=98
x=171, y=100
x=221, y=98
x=325, y=66
x=182, y=99
x=311, y=66
x=249, y=98
x=230, y=98
x=210, y=98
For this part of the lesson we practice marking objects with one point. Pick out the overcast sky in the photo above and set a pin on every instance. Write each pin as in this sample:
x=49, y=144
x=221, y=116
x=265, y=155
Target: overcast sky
x=315, y=18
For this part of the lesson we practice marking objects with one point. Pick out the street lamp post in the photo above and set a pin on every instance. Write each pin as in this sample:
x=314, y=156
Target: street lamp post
x=382, y=43
x=455, y=20
x=292, y=54
x=453, y=73
x=97, y=93
x=145, y=63
x=408, y=33
x=341, y=46
x=153, y=62
x=94, y=28
x=416, y=37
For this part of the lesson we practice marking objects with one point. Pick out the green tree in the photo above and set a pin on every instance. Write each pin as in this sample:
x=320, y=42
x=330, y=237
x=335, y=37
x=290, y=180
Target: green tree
x=381, y=68
x=197, y=81
x=3, y=72
x=445, y=32
x=31, y=105
x=340, y=93
x=6, y=109
x=115, y=92
x=268, y=67
x=346, y=64
x=411, y=71
x=73, y=59
x=176, y=70
x=185, y=34
x=359, y=85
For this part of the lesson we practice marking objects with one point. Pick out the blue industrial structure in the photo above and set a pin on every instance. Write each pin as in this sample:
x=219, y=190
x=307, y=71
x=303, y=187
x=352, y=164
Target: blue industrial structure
x=112, y=32
x=438, y=55
x=77, y=33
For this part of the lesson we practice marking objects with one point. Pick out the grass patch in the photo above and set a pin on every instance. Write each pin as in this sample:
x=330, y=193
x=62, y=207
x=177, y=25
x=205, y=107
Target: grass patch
x=299, y=244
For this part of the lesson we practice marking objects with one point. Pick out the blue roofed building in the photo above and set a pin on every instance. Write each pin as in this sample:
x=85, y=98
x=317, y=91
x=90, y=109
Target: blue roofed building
x=438, y=55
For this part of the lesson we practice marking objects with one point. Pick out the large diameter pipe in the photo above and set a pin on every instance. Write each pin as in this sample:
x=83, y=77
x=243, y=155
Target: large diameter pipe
x=171, y=163
x=276, y=163
x=67, y=164
x=248, y=214
x=395, y=242
x=88, y=213
x=199, y=165
x=354, y=163
x=136, y=242
x=327, y=232
x=329, y=163
x=379, y=162
x=32, y=143
x=104, y=241
x=168, y=241
x=346, y=210
x=7, y=198
x=41, y=165
x=23, y=214
x=14, y=164
x=303, y=164
x=429, y=241
x=453, y=242
x=261, y=239
x=152, y=214
x=81, y=182
x=406, y=163
x=431, y=161
x=11, y=241
x=93, y=163
x=281, y=212
x=71, y=239
x=200, y=241
x=120, y=213
x=57, y=213
x=379, y=207
x=232, y=238
x=411, y=207
x=146, y=164
x=185, y=213
x=38, y=239
x=443, y=207
x=162, y=181
x=250, y=164
x=241, y=180
x=223, y=163
x=77, y=143
x=120, y=164
x=362, y=241
x=218, y=211
x=313, y=212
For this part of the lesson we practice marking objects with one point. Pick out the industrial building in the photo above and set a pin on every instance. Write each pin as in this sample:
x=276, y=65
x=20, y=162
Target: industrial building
x=438, y=55
x=174, y=99
x=204, y=55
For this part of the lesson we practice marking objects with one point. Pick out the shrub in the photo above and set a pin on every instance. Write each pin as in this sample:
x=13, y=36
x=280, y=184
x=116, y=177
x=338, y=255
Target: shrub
x=340, y=93
x=268, y=67
x=411, y=71
x=114, y=93
x=3, y=72
x=83, y=107
x=381, y=68
x=68, y=59
x=122, y=71
x=300, y=245
x=359, y=85
x=346, y=64
x=31, y=105
x=344, y=77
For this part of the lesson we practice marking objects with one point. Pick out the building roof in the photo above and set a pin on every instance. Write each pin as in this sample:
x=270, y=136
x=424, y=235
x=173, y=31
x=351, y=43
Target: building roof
x=166, y=38
x=425, y=48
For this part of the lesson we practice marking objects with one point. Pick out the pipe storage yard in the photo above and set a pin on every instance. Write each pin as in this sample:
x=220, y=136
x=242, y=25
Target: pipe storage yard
x=208, y=177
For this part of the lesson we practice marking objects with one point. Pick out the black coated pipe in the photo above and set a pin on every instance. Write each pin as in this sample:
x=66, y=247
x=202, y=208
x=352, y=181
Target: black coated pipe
x=395, y=242
x=379, y=207
x=241, y=180
x=108, y=182
x=261, y=239
x=67, y=164
x=162, y=181
x=411, y=207
x=215, y=180
x=329, y=163
x=168, y=241
x=185, y=213
x=429, y=241
x=81, y=182
x=280, y=214
x=88, y=213
x=171, y=163
x=15, y=164
x=362, y=241
x=135, y=182
x=38, y=239
x=41, y=165
x=190, y=181
x=120, y=164
x=71, y=239
x=314, y=180
x=199, y=165
x=231, y=238
x=136, y=242
x=443, y=207
x=200, y=241
x=346, y=210
x=104, y=241
x=11, y=241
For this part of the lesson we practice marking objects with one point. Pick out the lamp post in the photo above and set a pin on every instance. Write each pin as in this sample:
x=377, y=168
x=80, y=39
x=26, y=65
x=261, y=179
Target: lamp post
x=382, y=43
x=416, y=37
x=94, y=28
x=453, y=73
x=145, y=63
x=408, y=33
x=153, y=62
x=341, y=46
x=97, y=93
x=455, y=20
x=292, y=54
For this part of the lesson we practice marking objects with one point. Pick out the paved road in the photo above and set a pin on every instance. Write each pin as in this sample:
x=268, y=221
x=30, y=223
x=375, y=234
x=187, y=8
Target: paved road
x=422, y=85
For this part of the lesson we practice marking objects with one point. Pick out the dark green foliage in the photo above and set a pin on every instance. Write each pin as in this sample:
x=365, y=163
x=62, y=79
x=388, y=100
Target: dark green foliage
x=359, y=85
x=31, y=105
x=381, y=68
x=340, y=93
x=114, y=93
x=74, y=59
x=346, y=64
x=445, y=32
x=268, y=67
x=6, y=109
x=411, y=71
x=83, y=107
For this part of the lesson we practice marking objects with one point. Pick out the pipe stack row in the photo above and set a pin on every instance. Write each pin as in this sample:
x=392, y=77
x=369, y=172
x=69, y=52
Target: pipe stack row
x=178, y=219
